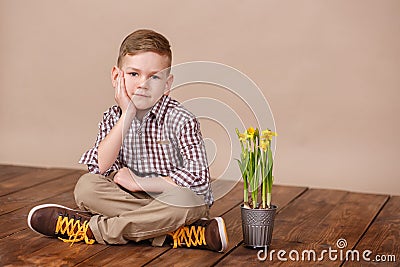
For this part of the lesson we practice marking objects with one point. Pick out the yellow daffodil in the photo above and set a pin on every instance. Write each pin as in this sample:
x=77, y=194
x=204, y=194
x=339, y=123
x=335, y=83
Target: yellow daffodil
x=268, y=134
x=264, y=143
x=250, y=133
x=242, y=137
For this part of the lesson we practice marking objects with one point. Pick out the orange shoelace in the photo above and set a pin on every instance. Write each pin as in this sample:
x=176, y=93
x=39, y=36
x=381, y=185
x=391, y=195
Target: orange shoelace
x=73, y=229
x=189, y=236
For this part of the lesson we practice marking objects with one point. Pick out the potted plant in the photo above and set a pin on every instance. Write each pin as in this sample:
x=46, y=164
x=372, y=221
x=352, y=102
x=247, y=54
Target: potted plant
x=256, y=164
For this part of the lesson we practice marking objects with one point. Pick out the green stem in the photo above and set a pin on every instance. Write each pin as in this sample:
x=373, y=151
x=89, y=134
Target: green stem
x=269, y=176
x=254, y=197
x=268, y=200
x=264, y=180
x=245, y=191
x=263, y=193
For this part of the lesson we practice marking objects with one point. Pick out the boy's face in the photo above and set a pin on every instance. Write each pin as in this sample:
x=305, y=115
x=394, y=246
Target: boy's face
x=146, y=78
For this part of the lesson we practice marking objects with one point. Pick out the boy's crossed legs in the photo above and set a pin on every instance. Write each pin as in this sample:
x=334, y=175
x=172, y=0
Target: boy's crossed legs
x=120, y=216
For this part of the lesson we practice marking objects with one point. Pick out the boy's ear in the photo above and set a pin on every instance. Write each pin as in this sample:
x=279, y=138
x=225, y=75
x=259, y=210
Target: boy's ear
x=168, y=84
x=114, y=76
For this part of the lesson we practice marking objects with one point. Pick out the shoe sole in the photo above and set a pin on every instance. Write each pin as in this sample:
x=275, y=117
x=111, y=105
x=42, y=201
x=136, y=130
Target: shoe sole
x=222, y=233
x=34, y=209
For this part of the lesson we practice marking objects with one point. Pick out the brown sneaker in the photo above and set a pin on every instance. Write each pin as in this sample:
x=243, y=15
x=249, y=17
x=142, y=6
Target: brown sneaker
x=58, y=221
x=204, y=233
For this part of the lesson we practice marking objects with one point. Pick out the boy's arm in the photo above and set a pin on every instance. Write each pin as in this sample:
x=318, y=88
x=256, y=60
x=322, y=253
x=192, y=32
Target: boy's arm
x=110, y=146
x=194, y=173
x=127, y=179
x=90, y=157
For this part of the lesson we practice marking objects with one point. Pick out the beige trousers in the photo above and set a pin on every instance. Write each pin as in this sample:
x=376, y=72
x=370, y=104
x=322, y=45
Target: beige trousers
x=121, y=216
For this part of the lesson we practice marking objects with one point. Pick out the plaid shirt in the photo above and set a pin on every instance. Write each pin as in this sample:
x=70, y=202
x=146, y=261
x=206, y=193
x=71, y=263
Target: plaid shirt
x=167, y=142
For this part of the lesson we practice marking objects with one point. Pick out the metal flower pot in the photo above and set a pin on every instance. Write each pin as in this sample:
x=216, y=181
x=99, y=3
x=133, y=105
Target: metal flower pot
x=257, y=226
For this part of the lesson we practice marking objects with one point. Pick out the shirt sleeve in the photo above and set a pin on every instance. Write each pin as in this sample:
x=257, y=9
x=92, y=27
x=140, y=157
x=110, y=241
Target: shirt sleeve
x=90, y=157
x=195, y=172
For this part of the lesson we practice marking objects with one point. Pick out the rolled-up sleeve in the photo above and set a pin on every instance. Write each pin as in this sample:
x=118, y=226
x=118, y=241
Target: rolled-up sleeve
x=194, y=173
x=90, y=157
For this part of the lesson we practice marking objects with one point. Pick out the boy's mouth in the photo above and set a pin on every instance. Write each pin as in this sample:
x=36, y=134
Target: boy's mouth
x=142, y=95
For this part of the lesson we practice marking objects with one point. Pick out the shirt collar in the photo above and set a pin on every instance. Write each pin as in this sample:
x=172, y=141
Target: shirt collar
x=160, y=108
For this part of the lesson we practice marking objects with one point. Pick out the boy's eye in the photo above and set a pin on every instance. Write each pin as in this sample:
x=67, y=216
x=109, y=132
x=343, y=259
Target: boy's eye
x=155, y=77
x=133, y=74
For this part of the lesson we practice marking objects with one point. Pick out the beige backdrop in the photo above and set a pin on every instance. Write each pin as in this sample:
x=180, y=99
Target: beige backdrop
x=329, y=69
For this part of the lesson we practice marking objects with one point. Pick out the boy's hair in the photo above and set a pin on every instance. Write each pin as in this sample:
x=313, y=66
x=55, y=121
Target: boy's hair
x=145, y=41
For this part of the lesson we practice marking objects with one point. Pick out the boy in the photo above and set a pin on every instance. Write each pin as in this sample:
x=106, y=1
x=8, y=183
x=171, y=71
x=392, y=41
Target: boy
x=148, y=173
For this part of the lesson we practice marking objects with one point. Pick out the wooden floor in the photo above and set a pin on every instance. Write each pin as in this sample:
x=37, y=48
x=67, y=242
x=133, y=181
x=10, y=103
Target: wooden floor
x=307, y=220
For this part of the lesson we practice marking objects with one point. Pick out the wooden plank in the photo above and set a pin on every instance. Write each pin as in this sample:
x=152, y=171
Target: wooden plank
x=15, y=221
x=315, y=221
x=131, y=254
x=9, y=171
x=19, y=245
x=347, y=222
x=230, y=200
x=382, y=238
x=30, y=179
x=37, y=193
x=22, y=249
x=195, y=257
x=16, y=239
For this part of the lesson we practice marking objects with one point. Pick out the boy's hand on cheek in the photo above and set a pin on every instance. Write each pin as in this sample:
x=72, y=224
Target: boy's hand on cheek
x=121, y=95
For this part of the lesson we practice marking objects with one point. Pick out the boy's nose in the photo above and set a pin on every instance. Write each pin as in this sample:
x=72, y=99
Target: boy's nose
x=143, y=83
